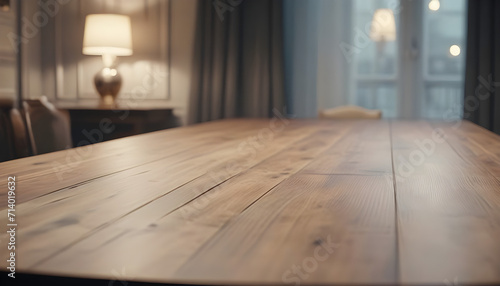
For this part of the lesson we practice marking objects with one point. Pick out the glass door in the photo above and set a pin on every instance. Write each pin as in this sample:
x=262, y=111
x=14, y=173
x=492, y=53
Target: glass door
x=419, y=72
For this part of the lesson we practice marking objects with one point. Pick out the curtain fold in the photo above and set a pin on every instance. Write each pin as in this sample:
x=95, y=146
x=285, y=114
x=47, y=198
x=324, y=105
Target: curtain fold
x=318, y=74
x=482, y=77
x=238, y=60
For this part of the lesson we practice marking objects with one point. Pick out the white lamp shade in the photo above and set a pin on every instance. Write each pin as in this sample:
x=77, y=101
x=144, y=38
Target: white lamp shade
x=107, y=34
x=383, y=26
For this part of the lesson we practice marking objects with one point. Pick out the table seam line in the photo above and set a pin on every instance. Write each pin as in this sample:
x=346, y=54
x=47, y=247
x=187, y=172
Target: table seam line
x=396, y=213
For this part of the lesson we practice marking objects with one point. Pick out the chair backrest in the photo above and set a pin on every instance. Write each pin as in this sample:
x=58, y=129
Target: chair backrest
x=20, y=135
x=49, y=128
x=350, y=112
x=6, y=133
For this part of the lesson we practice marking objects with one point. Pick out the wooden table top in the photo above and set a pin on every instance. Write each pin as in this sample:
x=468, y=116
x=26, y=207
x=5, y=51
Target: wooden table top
x=266, y=202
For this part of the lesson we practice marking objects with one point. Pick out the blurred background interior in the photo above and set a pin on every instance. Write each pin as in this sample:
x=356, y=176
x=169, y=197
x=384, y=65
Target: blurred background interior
x=177, y=62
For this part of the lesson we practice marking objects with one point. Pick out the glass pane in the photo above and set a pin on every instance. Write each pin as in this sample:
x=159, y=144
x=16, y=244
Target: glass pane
x=443, y=101
x=444, y=58
x=444, y=37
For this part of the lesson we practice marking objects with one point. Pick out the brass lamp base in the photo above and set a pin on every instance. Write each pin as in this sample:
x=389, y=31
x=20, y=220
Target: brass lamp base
x=108, y=83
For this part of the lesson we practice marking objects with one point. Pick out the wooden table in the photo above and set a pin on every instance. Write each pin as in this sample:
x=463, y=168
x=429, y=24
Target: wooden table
x=266, y=202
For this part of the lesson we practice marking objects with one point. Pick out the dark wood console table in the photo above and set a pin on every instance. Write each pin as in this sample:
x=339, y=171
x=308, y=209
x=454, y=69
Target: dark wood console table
x=92, y=122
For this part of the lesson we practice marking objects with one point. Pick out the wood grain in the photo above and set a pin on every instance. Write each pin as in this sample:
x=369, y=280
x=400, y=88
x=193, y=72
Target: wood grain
x=234, y=202
x=211, y=210
x=448, y=211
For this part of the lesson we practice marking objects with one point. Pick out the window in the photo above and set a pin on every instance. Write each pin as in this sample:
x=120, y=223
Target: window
x=420, y=73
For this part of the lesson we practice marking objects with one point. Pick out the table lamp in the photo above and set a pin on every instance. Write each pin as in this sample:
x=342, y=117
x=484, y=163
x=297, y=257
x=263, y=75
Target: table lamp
x=109, y=36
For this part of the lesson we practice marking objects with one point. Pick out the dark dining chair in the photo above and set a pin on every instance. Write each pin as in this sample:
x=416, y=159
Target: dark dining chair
x=48, y=128
x=19, y=133
x=6, y=140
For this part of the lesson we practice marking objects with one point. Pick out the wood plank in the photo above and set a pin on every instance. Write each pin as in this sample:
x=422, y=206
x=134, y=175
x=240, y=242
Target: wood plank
x=194, y=223
x=448, y=211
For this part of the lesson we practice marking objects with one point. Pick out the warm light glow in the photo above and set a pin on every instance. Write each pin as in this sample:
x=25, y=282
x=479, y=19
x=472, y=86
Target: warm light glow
x=5, y=5
x=109, y=71
x=107, y=34
x=383, y=26
x=455, y=50
x=434, y=5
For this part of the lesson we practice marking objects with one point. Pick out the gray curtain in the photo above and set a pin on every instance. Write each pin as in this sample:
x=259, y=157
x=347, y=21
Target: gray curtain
x=238, y=60
x=482, y=77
